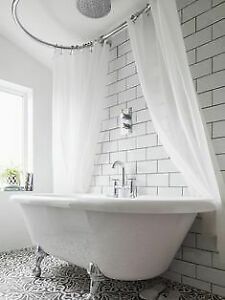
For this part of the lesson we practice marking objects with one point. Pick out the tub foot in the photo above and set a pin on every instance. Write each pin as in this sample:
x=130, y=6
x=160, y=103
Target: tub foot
x=40, y=255
x=96, y=277
x=153, y=293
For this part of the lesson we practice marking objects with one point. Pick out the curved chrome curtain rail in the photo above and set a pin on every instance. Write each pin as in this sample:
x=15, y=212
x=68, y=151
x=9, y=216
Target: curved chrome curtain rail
x=100, y=39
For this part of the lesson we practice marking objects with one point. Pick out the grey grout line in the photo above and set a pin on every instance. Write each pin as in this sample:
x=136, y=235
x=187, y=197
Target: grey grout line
x=187, y=5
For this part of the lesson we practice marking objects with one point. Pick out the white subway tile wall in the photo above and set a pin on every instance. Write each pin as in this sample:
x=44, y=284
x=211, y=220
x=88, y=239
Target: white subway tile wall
x=203, y=25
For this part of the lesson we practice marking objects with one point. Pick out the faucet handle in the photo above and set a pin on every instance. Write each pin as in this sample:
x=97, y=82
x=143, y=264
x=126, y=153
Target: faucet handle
x=115, y=180
x=115, y=187
x=133, y=187
x=131, y=180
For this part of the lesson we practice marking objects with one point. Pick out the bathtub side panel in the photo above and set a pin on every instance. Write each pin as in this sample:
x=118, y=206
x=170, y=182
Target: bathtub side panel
x=136, y=246
x=124, y=246
x=61, y=232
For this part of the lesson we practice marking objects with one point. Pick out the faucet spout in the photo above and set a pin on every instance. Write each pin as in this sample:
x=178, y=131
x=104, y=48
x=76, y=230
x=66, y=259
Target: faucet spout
x=121, y=164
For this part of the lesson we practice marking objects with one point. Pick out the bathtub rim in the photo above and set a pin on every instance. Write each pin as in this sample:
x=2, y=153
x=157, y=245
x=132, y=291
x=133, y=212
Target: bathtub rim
x=143, y=204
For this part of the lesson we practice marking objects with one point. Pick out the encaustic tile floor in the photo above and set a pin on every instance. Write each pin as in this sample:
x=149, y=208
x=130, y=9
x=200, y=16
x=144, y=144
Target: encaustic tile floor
x=63, y=281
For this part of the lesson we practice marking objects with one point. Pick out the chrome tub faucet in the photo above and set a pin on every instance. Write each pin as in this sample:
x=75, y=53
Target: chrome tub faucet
x=123, y=189
x=121, y=164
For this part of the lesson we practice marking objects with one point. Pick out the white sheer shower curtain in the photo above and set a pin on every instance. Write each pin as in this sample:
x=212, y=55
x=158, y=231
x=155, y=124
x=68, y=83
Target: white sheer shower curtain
x=78, y=94
x=159, y=52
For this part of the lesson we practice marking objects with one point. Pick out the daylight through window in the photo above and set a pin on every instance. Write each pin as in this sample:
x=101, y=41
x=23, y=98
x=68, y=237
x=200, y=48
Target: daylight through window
x=16, y=136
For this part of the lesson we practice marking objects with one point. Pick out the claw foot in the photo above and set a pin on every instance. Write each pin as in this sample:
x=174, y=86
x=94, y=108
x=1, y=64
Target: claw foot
x=40, y=255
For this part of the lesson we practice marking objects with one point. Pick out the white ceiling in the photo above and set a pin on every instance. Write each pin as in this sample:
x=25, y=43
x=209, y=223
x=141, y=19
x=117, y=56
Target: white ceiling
x=59, y=21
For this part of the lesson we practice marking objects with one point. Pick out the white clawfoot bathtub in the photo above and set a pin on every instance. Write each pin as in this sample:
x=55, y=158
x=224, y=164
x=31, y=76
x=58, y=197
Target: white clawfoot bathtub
x=128, y=239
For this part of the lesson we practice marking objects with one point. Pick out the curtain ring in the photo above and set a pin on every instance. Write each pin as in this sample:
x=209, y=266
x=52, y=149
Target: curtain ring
x=133, y=18
x=90, y=45
x=109, y=42
x=56, y=48
x=148, y=9
x=71, y=51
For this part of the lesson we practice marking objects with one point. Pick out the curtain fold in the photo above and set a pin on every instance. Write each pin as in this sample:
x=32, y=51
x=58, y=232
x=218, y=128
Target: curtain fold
x=162, y=65
x=78, y=95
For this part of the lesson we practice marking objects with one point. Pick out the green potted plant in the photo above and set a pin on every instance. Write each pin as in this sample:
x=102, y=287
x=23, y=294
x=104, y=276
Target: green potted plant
x=11, y=176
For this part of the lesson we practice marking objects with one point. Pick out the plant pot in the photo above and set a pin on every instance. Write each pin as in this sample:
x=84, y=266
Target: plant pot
x=12, y=180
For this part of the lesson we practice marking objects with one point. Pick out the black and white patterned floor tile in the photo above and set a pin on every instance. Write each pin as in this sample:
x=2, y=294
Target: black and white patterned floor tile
x=61, y=281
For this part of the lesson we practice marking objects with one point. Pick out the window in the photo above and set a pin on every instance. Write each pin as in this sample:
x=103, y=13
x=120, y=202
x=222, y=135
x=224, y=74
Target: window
x=15, y=135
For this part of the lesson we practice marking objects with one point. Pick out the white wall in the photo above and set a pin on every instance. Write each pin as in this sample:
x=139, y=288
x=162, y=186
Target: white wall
x=17, y=67
x=13, y=232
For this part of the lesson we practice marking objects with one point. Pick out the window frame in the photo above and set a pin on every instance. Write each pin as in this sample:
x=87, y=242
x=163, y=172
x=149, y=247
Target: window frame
x=26, y=95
